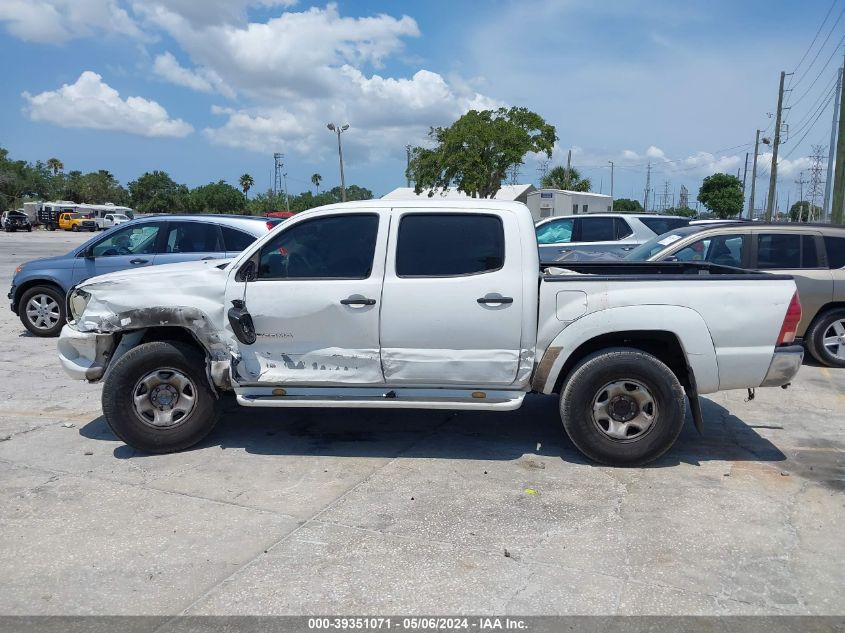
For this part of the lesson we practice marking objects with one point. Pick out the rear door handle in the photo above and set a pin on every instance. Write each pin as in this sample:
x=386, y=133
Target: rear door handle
x=485, y=300
x=358, y=302
x=139, y=261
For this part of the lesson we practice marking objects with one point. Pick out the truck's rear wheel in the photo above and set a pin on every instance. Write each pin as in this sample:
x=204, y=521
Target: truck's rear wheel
x=622, y=407
x=157, y=398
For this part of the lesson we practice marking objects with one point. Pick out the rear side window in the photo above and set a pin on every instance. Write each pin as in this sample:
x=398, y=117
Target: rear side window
x=622, y=228
x=192, y=237
x=664, y=225
x=835, y=247
x=439, y=245
x=235, y=240
x=786, y=251
x=596, y=230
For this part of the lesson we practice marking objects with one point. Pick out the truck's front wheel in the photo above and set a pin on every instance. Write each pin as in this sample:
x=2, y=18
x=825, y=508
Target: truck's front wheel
x=157, y=398
x=622, y=407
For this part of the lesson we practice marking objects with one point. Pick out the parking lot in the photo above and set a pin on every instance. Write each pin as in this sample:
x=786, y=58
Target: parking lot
x=362, y=512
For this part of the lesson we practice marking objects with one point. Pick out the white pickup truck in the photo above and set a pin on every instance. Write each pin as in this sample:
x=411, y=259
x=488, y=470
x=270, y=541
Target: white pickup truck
x=426, y=304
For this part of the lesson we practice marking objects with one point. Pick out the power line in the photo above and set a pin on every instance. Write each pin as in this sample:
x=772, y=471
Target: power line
x=809, y=129
x=815, y=37
x=824, y=68
x=821, y=48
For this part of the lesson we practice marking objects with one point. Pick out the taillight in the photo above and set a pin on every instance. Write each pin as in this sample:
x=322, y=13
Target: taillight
x=790, y=321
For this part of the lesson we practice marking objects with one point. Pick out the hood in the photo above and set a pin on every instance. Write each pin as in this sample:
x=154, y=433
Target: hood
x=117, y=298
x=157, y=276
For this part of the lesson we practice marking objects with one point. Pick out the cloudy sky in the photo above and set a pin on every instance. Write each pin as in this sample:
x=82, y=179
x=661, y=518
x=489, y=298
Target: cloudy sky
x=209, y=90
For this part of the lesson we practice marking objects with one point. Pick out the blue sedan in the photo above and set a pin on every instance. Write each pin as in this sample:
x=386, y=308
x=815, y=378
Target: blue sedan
x=39, y=287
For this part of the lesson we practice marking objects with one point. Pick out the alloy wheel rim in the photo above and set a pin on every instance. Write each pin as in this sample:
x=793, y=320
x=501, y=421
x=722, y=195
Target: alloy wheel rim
x=834, y=339
x=43, y=311
x=164, y=398
x=624, y=410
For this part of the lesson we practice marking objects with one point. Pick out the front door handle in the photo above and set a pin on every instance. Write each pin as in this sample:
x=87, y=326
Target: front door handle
x=139, y=261
x=358, y=302
x=486, y=300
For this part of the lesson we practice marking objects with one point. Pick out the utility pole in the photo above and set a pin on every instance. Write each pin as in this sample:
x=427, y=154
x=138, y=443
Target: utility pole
x=744, y=178
x=569, y=168
x=828, y=184
x=611, y=185
x=407, y=165
x=773, y=177
x=836, y=207
x=647, y=186
x=817, y=160
x=287, y=200
x=753, y=177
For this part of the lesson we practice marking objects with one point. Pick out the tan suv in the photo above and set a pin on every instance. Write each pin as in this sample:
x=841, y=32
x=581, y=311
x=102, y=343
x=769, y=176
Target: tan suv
x=812, y=253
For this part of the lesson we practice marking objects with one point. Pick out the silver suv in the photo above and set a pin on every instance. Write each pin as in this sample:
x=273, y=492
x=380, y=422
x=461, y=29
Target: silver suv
x=613, y=233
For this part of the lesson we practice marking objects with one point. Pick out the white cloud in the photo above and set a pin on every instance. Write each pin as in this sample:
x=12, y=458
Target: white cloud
x=167, y=67
x=56, y=21
x=91, y=103
x=207, y=12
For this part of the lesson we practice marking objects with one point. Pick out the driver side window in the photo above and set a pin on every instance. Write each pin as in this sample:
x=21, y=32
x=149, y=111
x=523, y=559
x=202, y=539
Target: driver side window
x=335, y=247
x=130, y=240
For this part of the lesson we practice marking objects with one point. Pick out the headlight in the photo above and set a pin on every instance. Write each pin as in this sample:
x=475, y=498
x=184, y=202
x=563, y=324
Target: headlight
x=78, y=302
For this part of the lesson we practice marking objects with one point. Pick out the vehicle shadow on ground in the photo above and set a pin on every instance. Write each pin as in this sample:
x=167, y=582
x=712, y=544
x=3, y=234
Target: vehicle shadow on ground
x=535, y=429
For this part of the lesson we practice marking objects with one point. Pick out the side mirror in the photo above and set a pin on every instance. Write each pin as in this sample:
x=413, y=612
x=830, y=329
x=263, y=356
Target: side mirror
x=241, y=321
x=248, y=272
x=88, y=253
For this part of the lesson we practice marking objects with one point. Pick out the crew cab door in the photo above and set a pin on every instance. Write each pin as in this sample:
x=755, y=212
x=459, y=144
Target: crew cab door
x=452, y=302
x=315, y=303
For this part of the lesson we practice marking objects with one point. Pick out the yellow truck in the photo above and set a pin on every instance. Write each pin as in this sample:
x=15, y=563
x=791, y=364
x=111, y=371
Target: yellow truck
x=76, y=222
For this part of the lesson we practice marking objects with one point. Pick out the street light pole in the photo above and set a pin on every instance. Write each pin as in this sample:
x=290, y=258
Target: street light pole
x=338, y=129
x=611, y=184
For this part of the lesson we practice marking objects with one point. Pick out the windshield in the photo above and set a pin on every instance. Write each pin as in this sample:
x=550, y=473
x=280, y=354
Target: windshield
x=651, y=248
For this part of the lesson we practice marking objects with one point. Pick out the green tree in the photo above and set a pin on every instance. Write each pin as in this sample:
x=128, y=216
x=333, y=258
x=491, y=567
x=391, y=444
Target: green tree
x=562, y=178
x=802, y=211
x=316, y=179
x=99, y=187
x=626, y=205
x=156, y=192
x=685, y=212
x=722, y=194
x=217, y=197
x=246, y=183
x=55, y=165
x=476, y=151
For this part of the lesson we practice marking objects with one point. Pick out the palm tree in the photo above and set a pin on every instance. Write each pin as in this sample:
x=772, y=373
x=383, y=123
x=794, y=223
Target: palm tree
x=56, y=165
x=317, y=179
x=565, y=178
x=246, y=182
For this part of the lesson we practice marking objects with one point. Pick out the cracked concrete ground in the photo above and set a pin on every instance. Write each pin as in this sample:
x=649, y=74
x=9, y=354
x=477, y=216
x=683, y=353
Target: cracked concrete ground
x=361, y=512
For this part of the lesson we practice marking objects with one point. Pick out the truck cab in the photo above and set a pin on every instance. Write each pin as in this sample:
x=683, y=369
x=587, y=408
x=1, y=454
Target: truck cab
x=72, y=221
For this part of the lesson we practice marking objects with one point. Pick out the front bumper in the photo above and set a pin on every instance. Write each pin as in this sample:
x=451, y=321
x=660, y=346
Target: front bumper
x=786, y=362
x=84, y=355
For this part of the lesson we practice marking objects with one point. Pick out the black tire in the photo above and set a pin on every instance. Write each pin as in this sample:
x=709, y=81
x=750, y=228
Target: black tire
x=123, y=380
x=588, y=383
x=31, y=323
x=51, y=227
x=29, y=229
x=74, y=228
x=814, y=338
